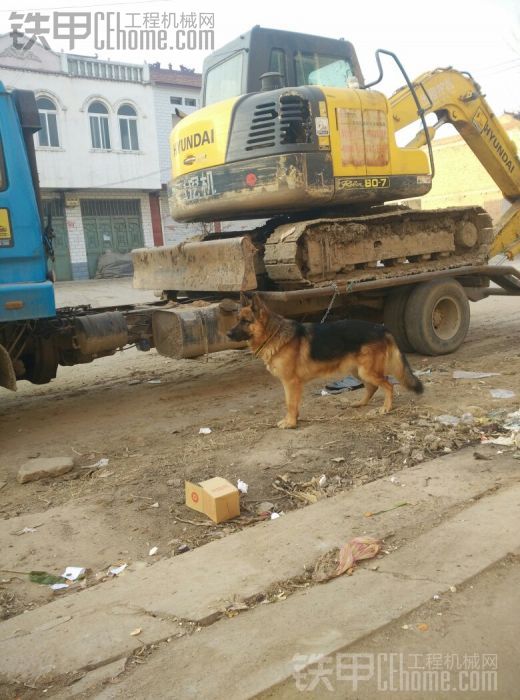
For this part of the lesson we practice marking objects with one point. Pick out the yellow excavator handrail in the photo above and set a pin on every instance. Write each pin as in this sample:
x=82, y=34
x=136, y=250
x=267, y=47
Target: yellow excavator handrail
x=456, y=99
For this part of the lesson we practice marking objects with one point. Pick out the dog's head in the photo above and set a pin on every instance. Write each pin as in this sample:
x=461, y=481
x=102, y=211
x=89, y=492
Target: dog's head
x=252, y=319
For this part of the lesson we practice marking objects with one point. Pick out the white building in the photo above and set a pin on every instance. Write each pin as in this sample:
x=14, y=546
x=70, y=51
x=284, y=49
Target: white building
x=174, y=91
x=97, y=153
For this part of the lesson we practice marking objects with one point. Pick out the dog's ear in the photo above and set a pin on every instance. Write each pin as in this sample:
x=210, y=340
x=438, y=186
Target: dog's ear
x=257, y=304
x=244, y=300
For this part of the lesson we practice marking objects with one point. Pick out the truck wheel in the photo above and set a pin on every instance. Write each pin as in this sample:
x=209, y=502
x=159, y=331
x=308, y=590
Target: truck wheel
x=437, y=317
x=42, y=364
x=393, y=316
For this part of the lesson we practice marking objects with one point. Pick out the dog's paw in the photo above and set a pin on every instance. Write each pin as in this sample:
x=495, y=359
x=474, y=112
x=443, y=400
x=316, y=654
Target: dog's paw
x=358, y=404
x=384, y=410
x=285, y=424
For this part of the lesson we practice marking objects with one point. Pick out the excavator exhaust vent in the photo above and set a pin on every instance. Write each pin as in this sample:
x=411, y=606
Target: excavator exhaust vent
x=287, y=123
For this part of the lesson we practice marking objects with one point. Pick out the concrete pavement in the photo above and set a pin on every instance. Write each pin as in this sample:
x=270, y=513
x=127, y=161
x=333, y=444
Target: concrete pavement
x=460, y=520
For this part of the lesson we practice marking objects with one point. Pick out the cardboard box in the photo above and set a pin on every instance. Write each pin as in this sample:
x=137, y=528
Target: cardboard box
x=217, y=498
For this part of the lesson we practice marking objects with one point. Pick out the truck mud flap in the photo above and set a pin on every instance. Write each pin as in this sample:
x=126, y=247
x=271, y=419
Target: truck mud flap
x=224, y=265
x=7, y=375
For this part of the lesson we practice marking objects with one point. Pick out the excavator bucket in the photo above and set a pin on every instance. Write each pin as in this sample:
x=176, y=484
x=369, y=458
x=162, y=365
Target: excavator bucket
x=222, y=265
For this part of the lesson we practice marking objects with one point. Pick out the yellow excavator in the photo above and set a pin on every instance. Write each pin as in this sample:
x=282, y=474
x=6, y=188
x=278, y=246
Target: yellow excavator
x=290, y=132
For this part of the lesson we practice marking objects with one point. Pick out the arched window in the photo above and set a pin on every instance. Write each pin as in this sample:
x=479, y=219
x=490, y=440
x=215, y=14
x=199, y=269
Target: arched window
x=99, y=130
x=128, y=128
x=48, y=134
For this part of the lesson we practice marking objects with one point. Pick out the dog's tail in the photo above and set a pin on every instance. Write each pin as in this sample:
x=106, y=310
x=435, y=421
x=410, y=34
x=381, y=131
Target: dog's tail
x=399, y=367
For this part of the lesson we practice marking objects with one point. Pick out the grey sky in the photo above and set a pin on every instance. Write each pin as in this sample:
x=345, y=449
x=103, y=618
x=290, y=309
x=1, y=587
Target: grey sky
x=479, y=36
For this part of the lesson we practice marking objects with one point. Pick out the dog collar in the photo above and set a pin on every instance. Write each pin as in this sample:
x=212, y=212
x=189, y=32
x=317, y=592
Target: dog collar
x=257, y=351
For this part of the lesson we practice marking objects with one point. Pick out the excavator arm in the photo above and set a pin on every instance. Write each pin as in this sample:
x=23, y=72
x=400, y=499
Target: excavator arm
x=455, y=98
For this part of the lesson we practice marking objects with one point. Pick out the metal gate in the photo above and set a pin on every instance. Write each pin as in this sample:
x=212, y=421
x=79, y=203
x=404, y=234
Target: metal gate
x=62, y=264
x=110, y=225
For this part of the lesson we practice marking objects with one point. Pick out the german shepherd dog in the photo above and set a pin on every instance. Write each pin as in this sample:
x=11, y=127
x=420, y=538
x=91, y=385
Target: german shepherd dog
x=299, y=352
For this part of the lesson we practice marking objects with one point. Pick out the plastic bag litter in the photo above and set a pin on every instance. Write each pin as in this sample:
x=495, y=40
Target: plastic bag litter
x=353, y=551
x=513, y=421
x=502, y=393
x=447, y=419
x=242, y=486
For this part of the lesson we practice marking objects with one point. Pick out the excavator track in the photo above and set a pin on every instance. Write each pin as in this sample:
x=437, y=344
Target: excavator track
x=386, y=244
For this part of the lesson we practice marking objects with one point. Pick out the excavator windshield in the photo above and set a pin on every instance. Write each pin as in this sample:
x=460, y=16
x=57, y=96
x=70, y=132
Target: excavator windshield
x=299, y=59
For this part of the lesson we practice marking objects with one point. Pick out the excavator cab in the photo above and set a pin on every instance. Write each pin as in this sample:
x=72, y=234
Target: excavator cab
x=271, y=58
x=288, y=127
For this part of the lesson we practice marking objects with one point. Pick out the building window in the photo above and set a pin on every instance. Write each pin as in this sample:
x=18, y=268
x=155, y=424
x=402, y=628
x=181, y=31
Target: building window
x=128, y=128
x=99, y=131
x=190, y=102
x=176, y=100
x=48, y=134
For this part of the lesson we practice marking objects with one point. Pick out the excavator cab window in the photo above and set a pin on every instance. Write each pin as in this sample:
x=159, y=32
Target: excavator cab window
x=224, y=80
x=317, y=69
x=301, y=59
x=277, y=64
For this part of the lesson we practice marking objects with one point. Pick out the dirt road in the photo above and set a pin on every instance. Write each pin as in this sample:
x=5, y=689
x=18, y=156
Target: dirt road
x=143, y=413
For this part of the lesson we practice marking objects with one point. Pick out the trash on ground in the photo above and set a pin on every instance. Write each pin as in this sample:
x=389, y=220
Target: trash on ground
x=420, y=372
x=353, y=551
x=307, y=491
x=242, y=486
x=370, y=514
x=264, y=507
x=512, y=422
x=72, y=573
x=502, y=393
x=59, y=586
x=502, y=440
x=44, y=578
x=423, y=627
x=183, y=548
x=322, y=481
x=274, y=516
x=217, y=498
x=153, y=551
x=348, y=383
x=116, y=570
x=154, y=505
x=462, y=374
x=135, y=632
x=337, y=459
x=204, y=431
x=154, y=381
x=447, y=419
x=26, y=530
x=100, y=464
x=324, y=392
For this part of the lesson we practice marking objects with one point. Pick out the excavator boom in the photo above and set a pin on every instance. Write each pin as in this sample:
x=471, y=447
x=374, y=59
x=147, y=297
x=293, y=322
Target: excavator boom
x=456, y=99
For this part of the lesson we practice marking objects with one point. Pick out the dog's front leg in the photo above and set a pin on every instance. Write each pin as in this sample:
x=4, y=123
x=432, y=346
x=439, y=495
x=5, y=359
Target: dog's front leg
x=293, y=394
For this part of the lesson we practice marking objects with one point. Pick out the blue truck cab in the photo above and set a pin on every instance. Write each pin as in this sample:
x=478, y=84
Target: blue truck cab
x=25, y=290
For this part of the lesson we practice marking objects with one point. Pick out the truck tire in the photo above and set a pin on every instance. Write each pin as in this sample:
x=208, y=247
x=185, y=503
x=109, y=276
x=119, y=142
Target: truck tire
x=42, y=364
x=393, y=316
x=437, y=317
